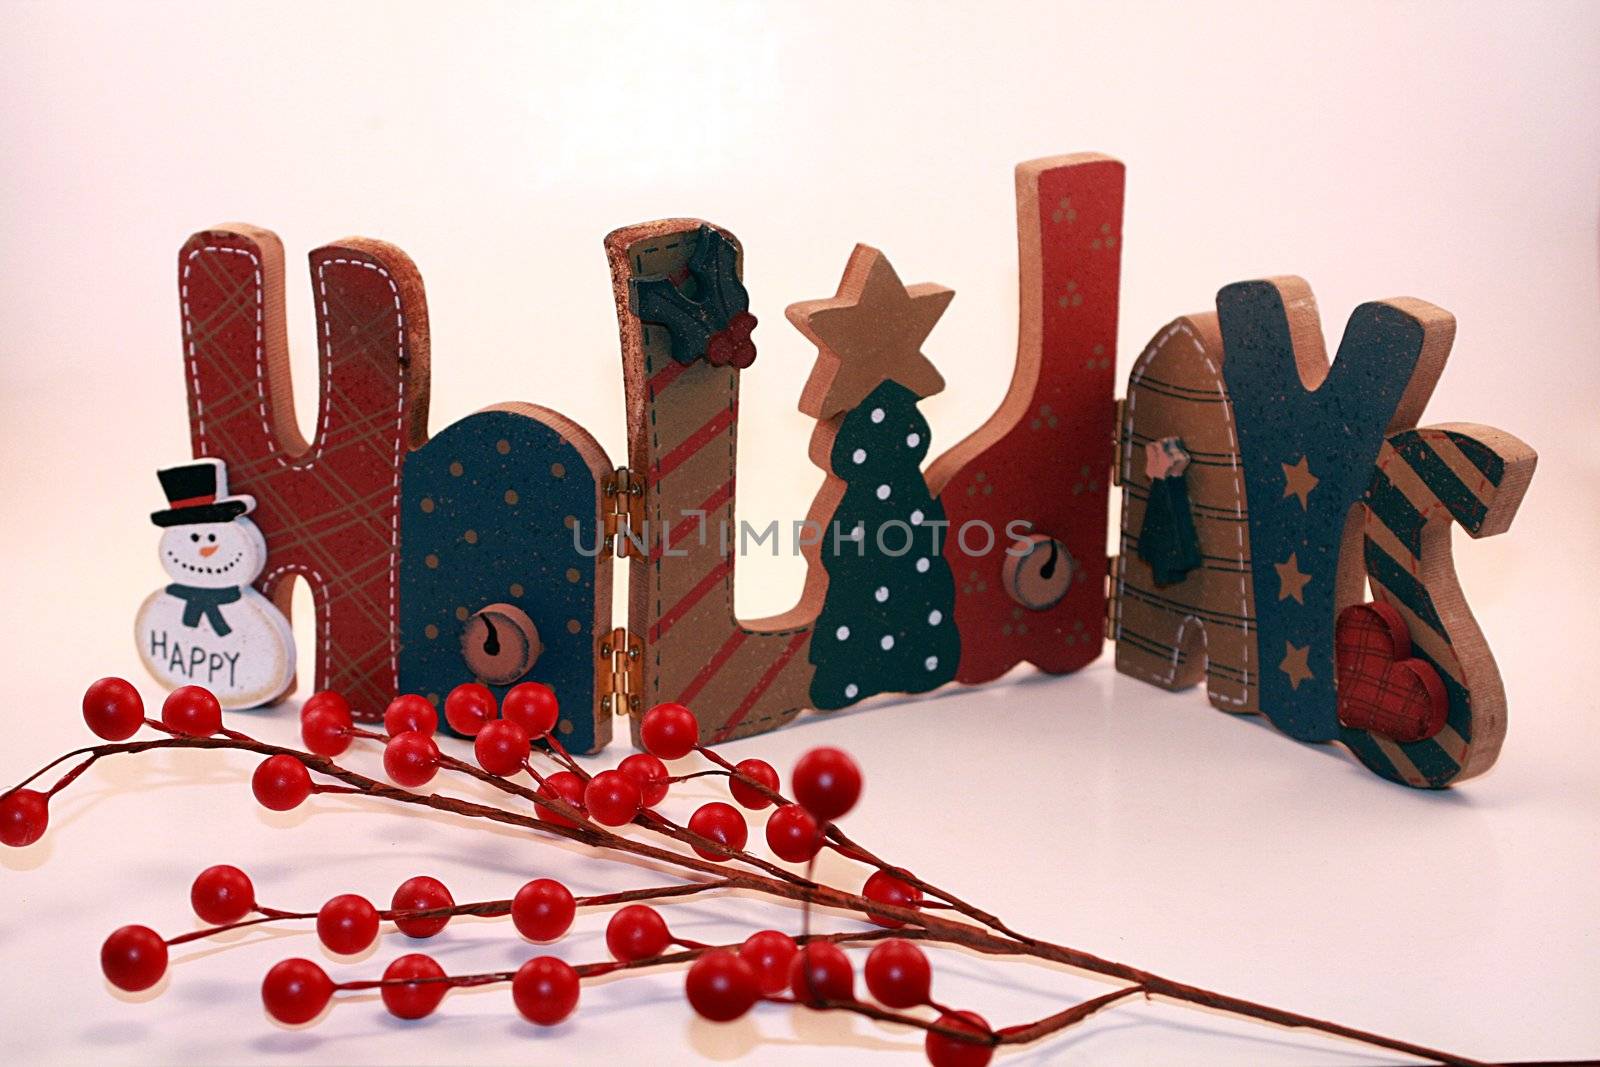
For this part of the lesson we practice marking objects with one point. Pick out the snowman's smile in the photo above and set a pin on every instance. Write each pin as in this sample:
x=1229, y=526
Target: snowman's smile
x=195, y=568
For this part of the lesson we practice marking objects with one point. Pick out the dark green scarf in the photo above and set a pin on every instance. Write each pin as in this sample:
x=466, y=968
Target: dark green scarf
x=205, y=604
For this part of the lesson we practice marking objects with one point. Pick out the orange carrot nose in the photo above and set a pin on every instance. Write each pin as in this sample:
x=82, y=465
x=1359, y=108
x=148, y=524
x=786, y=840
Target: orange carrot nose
x=209, y=551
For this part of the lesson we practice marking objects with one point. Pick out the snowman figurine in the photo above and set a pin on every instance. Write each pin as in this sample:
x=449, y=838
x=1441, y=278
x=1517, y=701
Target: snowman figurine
x=210, y=627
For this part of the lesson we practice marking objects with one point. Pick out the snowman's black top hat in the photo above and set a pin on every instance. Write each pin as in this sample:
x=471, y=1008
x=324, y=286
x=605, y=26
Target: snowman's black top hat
x=198, y=492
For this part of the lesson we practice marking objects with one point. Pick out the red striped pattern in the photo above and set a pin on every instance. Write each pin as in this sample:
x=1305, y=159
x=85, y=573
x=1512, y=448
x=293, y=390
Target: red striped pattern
x=690, y=523
x=709, y=671
x=694, y=442
x=761, y=686
x=690, y=599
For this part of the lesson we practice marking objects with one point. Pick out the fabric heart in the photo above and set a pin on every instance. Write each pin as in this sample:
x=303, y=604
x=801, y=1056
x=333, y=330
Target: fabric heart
x=1382, y=687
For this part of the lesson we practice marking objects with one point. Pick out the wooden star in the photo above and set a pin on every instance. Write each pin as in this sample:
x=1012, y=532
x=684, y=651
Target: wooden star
x=1291, y=579
x=1299, y=481
x=1296, y=664
x=870, y=332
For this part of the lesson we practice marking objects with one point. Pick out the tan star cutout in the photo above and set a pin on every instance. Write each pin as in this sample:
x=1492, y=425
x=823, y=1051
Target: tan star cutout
x=869, y=333
x=1291, y=579
x=1296, y=664
x=1299, y=481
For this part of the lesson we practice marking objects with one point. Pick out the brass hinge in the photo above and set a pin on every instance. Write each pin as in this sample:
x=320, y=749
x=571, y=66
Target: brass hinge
x=624, y=491
x=621, y=672
x=1112, y=563
x=1117, y=440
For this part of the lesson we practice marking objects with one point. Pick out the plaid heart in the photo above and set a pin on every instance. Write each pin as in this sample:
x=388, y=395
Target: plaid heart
x=1382, y=687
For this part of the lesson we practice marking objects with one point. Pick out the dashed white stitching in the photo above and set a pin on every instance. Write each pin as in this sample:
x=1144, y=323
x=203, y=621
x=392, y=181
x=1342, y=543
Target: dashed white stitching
x=1238, y=507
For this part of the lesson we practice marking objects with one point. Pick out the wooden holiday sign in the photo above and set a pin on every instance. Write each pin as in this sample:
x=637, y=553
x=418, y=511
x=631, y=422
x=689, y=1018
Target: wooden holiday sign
x=1264, y=491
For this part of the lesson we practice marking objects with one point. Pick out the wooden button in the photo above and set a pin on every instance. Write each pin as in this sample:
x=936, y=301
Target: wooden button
x=500, y=644
x=1038, y=570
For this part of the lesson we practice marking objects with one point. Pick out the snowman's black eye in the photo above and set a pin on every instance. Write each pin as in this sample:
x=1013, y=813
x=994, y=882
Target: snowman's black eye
x=194, y=537
x=211, y=537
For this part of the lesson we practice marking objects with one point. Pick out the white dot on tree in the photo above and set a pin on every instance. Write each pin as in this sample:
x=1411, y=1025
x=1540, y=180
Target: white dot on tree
x=932, y=663
x=935, y=617
x=881, y=594
x=887, y=643
x=842, y=633
x=877, y=414
x=859, y=456
x=851, y=690
x=916, y=517
x=913, y=440
x=922, y=565
x=883, y=492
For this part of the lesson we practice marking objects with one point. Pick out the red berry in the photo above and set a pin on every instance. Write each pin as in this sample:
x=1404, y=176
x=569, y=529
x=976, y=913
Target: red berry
x=649, y=774
x=324, y=732
x=421, y=894
x=133, y=958
x=885, y=888
x=413, y=1000
x=347, y=924
x=113, y=709
x=411, y=759
x=532, y=706
x=612, y=798
x=793, y=834
x=721, y=986
x=820, y=972
x=722, y=823
x=501, y=747
x=545, y=990
x=408, y=711
x=669, y=731
x=637, y=932
x=281, y=782
x=222, y=895
x=770, y=954
x=193, y=711
x=562, y=785
x=747, y=796
x=330, y=702
x=468, y=707
x=24, y=816
x=295, y=991
x=898, y=974
x=827, y=783
x=950, y=1052
x=543, y=909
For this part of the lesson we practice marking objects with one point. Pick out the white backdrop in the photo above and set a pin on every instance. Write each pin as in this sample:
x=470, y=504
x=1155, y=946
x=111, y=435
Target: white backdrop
x=1448, y=152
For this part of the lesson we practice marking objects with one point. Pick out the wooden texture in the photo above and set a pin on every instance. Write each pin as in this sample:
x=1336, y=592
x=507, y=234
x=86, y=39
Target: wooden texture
x=505, y=507
x=329, y=508
x=740, y=677
x=1309, y=434
x=1044, y=457
x=1202, y=627
x=1425, y=480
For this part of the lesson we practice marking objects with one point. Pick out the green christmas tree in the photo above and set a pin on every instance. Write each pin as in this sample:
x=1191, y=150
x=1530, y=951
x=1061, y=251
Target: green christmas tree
x=887, y=620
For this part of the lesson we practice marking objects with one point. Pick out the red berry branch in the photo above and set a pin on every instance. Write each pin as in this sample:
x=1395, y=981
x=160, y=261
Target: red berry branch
x=612, y=812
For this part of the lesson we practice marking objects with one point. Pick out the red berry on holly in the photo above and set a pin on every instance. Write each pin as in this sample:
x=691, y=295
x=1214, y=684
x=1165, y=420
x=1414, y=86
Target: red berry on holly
x=468, y=707
x=421, y=894
x=330, y=702
x=792, y=833
x=770, y=954
x=827, y=783
x=192, y=711
x=413, y=999
x=295, y=991
x=347, y=924
x=533, y=707
x=281, y=782
x=562, y=785
x=543, y=909
x=133, y=958
x=722, y=823
x=747, y=795
x=24, y=817
x=821, y=972
x=637, y=932
x=885, y=888
x=408, y=712
x=721, y=986
x=669, y=731
x=649, y=774
x=898, y=975
x=324, y=732
x=113, y=709
x=222, y=895
x=612, y=798
x=545, y=990
x=951, y=1052
x=501, y=747
x=411, y=759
